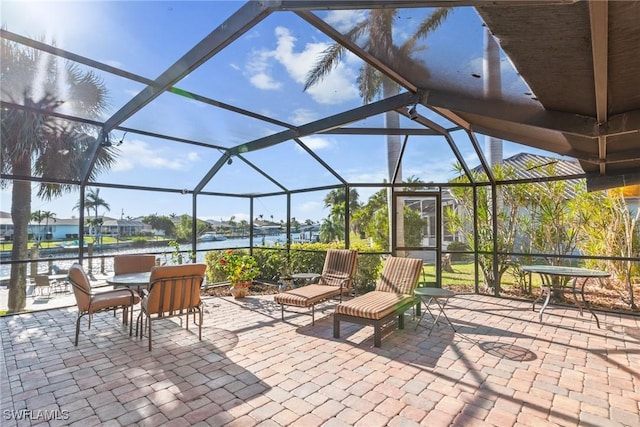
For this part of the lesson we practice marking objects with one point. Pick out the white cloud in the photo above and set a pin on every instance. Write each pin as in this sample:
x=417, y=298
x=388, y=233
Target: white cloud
x=316, y=142
x=264, y=81
x=139, y=154
x=302, y=116
x=259, y=70
x=335, y=88
x=344, y=20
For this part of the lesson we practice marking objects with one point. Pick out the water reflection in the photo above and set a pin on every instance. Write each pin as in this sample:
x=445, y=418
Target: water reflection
x=161, y=250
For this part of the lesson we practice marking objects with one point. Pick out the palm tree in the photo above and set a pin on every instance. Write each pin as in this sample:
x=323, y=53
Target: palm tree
x=336, y=198
x=93, y=201
x=376, y=32
x=244, y=226
x=331, y=230
x=48, y=215
x=34, y=143
x=39, y=216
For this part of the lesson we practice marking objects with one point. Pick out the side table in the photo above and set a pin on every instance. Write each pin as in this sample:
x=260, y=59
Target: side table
x=297, y=280
x=440, y=297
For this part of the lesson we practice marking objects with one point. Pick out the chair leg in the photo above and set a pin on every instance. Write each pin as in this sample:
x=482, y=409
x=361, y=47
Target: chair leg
x=200, y=324
x=138, y=323
x=336, y=326
x=131, y=323
x=77, y=328
x=377, y=335
x=149, y=321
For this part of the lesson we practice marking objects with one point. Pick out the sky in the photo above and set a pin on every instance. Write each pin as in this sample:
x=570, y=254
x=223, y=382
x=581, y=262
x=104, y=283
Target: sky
x=264, y=71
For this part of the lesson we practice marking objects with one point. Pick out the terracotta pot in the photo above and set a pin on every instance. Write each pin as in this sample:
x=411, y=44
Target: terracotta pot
x=240, y=289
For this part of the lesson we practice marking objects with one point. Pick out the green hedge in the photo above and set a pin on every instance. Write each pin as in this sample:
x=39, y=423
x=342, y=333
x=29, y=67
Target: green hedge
x=304, y=258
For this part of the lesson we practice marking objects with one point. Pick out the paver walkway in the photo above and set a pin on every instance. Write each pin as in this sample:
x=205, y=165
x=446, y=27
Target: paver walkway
x=501, y=368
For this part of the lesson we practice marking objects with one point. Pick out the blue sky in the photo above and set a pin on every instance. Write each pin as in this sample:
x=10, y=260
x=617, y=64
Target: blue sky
x=263, y=71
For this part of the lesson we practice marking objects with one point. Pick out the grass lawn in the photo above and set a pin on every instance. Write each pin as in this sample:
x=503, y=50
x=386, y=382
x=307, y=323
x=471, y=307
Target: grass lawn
x=464, y=276
x=606, y=295
x=46, y=244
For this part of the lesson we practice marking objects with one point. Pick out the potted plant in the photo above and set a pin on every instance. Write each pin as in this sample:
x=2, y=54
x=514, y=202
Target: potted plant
x=240, y=269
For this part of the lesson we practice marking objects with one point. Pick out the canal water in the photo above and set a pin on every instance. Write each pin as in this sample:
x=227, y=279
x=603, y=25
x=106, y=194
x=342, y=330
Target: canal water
x=161, y=251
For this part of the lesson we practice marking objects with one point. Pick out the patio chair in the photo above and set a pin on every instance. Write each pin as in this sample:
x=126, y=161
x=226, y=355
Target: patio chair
x=89, y=302
x=173, y=291
x=133, y=263
x=42, y=284
x=337, y=274
x=392, y=296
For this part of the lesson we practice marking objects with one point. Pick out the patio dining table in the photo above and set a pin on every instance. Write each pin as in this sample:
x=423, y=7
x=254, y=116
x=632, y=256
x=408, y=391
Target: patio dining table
x=547, y=272
x=129, y=280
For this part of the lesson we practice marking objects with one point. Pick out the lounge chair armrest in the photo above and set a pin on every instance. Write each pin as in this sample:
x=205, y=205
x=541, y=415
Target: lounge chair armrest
x=344, y=282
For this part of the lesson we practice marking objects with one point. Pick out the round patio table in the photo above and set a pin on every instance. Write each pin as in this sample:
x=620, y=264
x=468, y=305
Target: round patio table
x=547, y=272
x=128, y=280
x=440, y=297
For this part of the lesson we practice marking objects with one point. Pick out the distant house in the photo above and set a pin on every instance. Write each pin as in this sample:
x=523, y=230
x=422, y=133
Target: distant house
x=6, y=226
x=69, y=228
x=125, y=227
x=60, y=228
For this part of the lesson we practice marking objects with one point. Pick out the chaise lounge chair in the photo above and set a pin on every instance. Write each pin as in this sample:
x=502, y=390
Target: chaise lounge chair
x=335, y=280
x=392, y=296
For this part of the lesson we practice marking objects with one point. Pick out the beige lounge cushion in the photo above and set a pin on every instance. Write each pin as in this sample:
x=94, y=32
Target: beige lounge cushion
x=339, y=267
x=373, y=305
x=399, y=275
x=114, y=298
x=306, y=296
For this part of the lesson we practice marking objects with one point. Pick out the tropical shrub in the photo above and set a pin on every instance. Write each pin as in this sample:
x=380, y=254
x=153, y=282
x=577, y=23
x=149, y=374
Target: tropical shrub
x=460, y=247
x=138, y=242
x=273, y=263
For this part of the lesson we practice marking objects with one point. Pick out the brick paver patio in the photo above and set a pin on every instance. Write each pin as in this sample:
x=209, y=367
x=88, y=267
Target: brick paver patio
x=501, y=368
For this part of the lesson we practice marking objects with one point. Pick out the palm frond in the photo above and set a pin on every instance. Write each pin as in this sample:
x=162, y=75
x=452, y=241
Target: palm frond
x=427, y=26
x=329, y=59
x=359, y=30
x=331, y=56
x=369, y=83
